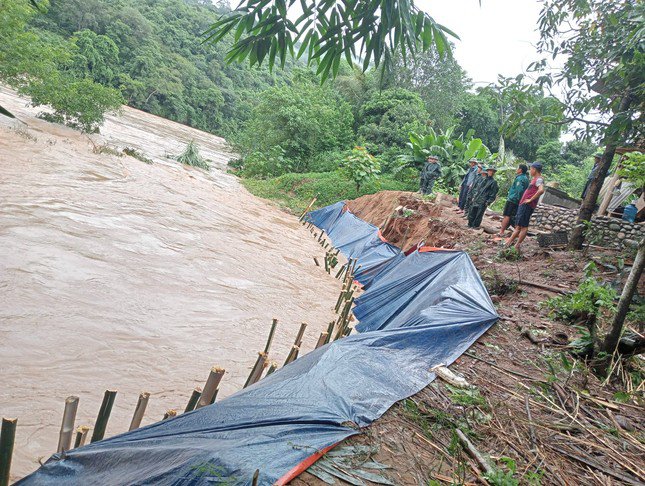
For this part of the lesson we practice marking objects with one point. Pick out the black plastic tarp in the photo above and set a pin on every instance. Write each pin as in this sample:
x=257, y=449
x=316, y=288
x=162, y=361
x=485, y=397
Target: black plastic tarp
x=425, y=309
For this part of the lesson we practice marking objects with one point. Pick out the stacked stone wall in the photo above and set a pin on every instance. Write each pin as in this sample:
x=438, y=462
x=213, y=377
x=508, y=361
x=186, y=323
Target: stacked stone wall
x=605, y=231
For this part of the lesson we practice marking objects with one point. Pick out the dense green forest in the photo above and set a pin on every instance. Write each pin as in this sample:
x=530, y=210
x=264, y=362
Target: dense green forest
x=151, y=54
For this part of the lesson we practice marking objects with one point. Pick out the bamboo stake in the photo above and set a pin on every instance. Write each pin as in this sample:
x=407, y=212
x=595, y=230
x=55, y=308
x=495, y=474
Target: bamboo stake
x=316, y=262
x=348, y=331
x=192, y=401
x=340, y=300
x=341, y=271
x=322, y=339
x=300, y=335
x=321, y=236
x=104, y=415
x=7, y=439
x=81, y=436
x=67, y=427
x=344, y=317
x=139, y=410
x=272, y=368
x=214, y=395
x=293, y=354
x=169, y=414
x=274, y=325
x=214, y=378
x=302, y=216
x=330, y=331
x=256, y=476
x=257, y=369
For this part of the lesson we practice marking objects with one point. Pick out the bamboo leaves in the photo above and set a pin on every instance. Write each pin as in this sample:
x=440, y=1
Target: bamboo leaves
x=370, y=31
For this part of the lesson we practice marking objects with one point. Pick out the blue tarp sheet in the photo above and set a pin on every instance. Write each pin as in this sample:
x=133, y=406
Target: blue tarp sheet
x=420, y=311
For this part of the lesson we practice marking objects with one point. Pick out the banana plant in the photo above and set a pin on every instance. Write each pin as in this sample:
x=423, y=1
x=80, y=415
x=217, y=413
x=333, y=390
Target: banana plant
x=453, y=152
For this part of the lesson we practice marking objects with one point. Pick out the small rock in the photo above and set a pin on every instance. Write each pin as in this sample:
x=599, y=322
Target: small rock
x=614, y=227
x=631, y=243
x=621, y=235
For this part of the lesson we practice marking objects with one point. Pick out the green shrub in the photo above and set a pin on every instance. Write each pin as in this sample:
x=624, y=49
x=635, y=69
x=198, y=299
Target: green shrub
x=270, y=163
x=78, y=103
x=304, y=119
x=361, y=167
x=327, y=161
x=191, y=156
x=295, y=191
x=589, y=301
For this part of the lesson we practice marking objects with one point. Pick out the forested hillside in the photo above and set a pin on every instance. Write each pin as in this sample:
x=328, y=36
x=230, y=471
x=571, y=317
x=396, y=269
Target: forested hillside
x=86, y=56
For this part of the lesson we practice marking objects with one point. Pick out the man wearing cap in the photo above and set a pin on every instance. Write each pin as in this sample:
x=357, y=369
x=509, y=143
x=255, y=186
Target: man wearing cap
x=430, y=173
x=485, y=195
x=467, y=183
x=596, y=162
x=515, y=193
x=480, y=175
x=528, y=203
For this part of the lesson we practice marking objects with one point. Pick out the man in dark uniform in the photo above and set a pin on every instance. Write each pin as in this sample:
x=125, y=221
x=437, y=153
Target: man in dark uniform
x=480, y=175
x=430, y=173
x=467, y=183
x=485, y=195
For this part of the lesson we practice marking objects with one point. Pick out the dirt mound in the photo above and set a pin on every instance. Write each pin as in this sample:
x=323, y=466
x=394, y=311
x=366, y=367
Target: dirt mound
x=406, y=218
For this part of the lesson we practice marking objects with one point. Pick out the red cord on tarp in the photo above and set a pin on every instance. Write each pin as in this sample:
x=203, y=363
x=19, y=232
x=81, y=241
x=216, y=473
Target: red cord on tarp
x=303, y=466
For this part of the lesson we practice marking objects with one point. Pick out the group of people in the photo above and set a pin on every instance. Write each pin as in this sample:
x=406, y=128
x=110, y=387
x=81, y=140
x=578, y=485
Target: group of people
x=479, y=189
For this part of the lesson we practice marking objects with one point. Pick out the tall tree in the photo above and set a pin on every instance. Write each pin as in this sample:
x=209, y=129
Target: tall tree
x=439, y=80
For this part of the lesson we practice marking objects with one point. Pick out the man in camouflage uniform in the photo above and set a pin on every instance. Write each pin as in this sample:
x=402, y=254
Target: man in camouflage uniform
x=430, y=173
x=484, y=195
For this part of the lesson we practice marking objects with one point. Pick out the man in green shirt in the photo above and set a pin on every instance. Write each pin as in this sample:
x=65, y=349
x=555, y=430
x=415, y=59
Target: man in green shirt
x=518, y=187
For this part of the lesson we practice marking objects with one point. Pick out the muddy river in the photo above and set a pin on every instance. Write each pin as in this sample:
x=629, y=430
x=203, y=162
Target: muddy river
x=118, y=274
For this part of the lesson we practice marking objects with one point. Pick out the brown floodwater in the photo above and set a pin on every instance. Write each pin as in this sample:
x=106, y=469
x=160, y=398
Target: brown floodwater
x=117, y=274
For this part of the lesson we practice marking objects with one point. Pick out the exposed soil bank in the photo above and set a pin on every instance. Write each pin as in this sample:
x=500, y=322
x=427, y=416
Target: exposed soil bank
x=123, y=275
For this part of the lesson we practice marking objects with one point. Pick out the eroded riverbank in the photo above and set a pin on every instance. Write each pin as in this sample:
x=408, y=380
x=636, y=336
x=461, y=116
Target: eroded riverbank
x=124, y=275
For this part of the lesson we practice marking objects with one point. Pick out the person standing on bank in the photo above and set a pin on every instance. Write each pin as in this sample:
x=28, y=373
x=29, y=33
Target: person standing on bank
x=479, y=178
x=430, y=173
x=467, y=183
x=485, y=195
x=528, y=203
x=515, y=193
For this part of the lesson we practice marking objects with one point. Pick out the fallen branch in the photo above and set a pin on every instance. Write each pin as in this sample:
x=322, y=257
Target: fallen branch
x=591, y=463
x=543, y=286
x=473, y=452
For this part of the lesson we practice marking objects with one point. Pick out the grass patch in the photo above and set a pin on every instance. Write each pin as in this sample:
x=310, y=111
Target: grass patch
x=467, y=397
x=295, y=191
x=191, y=156
x=137, y=155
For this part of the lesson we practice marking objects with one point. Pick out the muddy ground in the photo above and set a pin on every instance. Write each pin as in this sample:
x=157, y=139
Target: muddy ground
x=536, y=411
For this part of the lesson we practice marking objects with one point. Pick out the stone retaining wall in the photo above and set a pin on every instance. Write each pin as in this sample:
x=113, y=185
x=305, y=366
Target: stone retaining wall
x=609, y=232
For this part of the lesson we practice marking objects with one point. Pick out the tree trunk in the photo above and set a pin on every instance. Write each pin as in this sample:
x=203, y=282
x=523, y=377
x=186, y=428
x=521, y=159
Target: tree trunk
x=612, y=338
x=589, y=202
x=611, y=141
